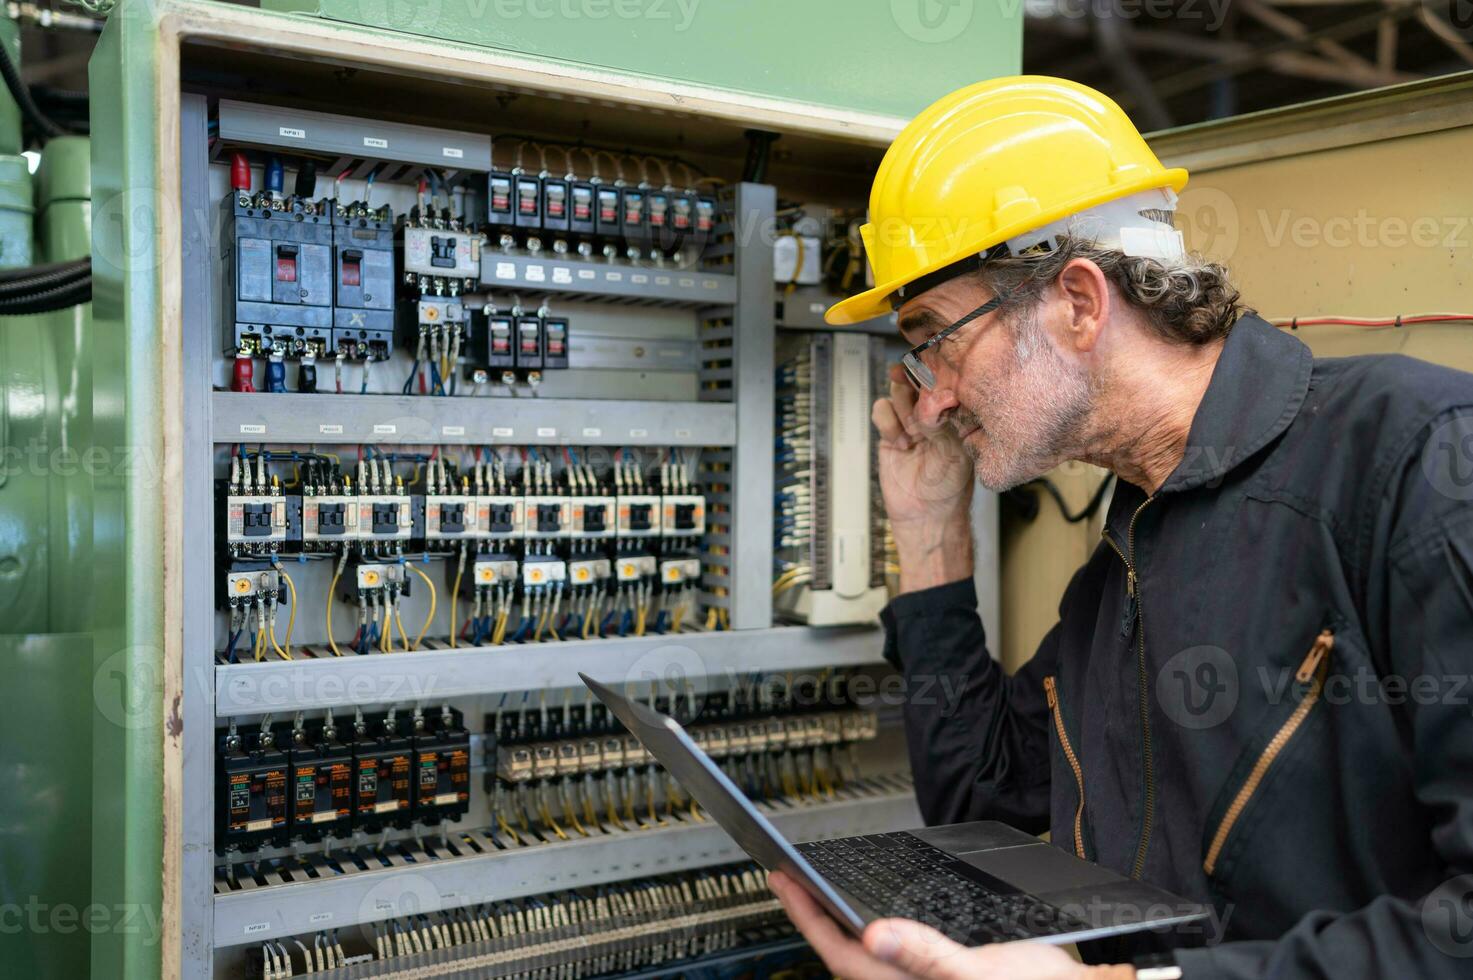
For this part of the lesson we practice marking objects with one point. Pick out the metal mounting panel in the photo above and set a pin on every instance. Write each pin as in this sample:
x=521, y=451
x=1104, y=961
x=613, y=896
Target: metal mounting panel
x=280, y=686
x=468, y=420
x=363, y=139
x=275, y=911
x=637, y=284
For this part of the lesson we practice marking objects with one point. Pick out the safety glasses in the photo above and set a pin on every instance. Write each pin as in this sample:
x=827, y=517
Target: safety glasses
x=920, y=373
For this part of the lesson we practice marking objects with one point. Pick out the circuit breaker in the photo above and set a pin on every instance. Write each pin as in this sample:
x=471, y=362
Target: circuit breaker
x=363, y=280
x=278, y=274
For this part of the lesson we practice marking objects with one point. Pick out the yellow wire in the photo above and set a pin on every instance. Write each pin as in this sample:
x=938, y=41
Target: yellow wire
x=725, y=618
x=508, y=828
x=499, y=636
x=331, y=591
x=543, y=809
x=711, y=618
x=403, y=637
x=676, y=616
x=260, y=641
x=454, y=596
x=588, y=807
x=695, y=811
x=277, y=646
x=291, y=618
x=572, y=818
x=431, y=617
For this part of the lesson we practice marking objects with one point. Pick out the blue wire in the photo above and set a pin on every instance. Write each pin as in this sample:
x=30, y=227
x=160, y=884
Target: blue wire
x=230, y=647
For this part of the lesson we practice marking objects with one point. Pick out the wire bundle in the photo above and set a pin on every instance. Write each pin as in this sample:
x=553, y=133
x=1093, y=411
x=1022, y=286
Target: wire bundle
x=793, y=503
x=44, y=288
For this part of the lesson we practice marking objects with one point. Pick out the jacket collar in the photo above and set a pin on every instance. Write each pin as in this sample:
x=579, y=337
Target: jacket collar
x=1257, y=388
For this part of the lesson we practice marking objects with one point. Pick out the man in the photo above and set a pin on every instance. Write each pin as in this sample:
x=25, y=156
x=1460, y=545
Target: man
x=1224, y=706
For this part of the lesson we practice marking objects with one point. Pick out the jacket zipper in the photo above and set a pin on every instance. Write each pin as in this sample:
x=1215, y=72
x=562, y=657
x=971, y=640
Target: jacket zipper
x=1050, y=688
x=1135, y=620
x=1312, y=672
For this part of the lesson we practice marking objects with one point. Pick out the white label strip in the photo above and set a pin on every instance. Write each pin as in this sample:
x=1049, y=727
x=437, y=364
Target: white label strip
x=593, y=433
x=292, y=134
x=376, y=143
x=384, y=429
x=503, y=432
x=546, y=432
x=252, y=429
x=452, y=430
x=328, y=429
x=453, y=152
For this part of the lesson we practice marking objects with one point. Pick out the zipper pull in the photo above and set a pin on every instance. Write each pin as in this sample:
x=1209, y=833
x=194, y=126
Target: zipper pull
x=1051, y=693
x=1323, y=644
x=1132, y=605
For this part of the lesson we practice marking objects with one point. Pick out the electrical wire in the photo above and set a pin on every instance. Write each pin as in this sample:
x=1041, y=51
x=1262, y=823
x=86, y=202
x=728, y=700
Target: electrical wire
x=291, y=619
x=331, y=590
x=1335, y=319
x=455, y=594
x=22, y=95
x=431, y=617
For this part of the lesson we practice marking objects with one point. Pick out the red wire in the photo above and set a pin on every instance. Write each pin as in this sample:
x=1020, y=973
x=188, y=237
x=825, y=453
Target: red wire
x=1390, y=321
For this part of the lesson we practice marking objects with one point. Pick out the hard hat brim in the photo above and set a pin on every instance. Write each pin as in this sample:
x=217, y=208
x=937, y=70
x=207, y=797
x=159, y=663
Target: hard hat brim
x=876, y=302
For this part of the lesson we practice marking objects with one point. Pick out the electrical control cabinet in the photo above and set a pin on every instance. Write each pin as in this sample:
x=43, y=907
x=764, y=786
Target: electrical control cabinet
x=532, y=437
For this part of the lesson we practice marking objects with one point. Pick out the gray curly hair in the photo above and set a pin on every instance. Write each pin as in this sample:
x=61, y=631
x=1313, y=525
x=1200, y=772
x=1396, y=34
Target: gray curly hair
x=1192, y=301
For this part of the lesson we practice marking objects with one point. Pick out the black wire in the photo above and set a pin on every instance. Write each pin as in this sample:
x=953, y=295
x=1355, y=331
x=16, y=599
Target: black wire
x=27, y=271
x=53, y=279
x=58, y=298
x=22, y=96
x=1088, y=510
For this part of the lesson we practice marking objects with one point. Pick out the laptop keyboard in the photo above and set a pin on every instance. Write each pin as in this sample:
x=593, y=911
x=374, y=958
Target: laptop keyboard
x=898, y=874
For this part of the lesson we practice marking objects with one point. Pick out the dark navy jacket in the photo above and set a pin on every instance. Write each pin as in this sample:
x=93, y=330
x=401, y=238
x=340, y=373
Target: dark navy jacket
x=1257, y=694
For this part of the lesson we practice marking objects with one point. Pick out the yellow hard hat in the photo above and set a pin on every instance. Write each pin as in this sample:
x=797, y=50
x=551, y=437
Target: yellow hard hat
x=990, y=162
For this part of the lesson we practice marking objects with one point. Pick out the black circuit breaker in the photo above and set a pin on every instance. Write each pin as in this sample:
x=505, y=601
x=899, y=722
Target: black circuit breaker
x=321, y=776
x=252, y=805
x=608, y=212
x=383, y=792
x=442, y=768
x=527, y=201
x=500, y=212
x=580, y=208
x=554, y=204
x=278, y=275
x=363, y=280
x=529, y=352
x=554, y=343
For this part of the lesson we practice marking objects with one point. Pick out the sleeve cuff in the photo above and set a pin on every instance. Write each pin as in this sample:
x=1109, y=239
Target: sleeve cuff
x=961, y=594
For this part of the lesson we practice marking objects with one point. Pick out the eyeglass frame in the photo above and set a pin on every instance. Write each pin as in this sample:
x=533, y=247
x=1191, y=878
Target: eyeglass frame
x=916, y=370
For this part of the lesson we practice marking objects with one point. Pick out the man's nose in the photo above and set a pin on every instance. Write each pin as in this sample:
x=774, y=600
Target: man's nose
x=933, y=405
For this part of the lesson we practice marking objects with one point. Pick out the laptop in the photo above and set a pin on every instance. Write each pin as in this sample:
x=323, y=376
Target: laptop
x=977, y=883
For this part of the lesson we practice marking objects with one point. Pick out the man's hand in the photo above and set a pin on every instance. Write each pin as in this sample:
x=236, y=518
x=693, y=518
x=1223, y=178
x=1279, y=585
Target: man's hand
x=926, y=478
x=898, y=949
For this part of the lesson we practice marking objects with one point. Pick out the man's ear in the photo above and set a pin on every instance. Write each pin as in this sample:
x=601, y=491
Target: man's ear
x=1086, y=294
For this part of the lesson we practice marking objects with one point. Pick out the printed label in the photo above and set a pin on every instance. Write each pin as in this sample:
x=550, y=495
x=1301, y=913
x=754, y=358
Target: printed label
x=384, y=429
x=292, y=134
x=376, y=142
x=453, y=152
x=328, y=429
x=252, y=429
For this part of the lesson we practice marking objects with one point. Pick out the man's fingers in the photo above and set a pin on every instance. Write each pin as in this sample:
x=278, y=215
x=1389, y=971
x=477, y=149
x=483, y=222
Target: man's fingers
x=903, y=396
x=843, y=955
x=916, y=949
x=888, y=423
